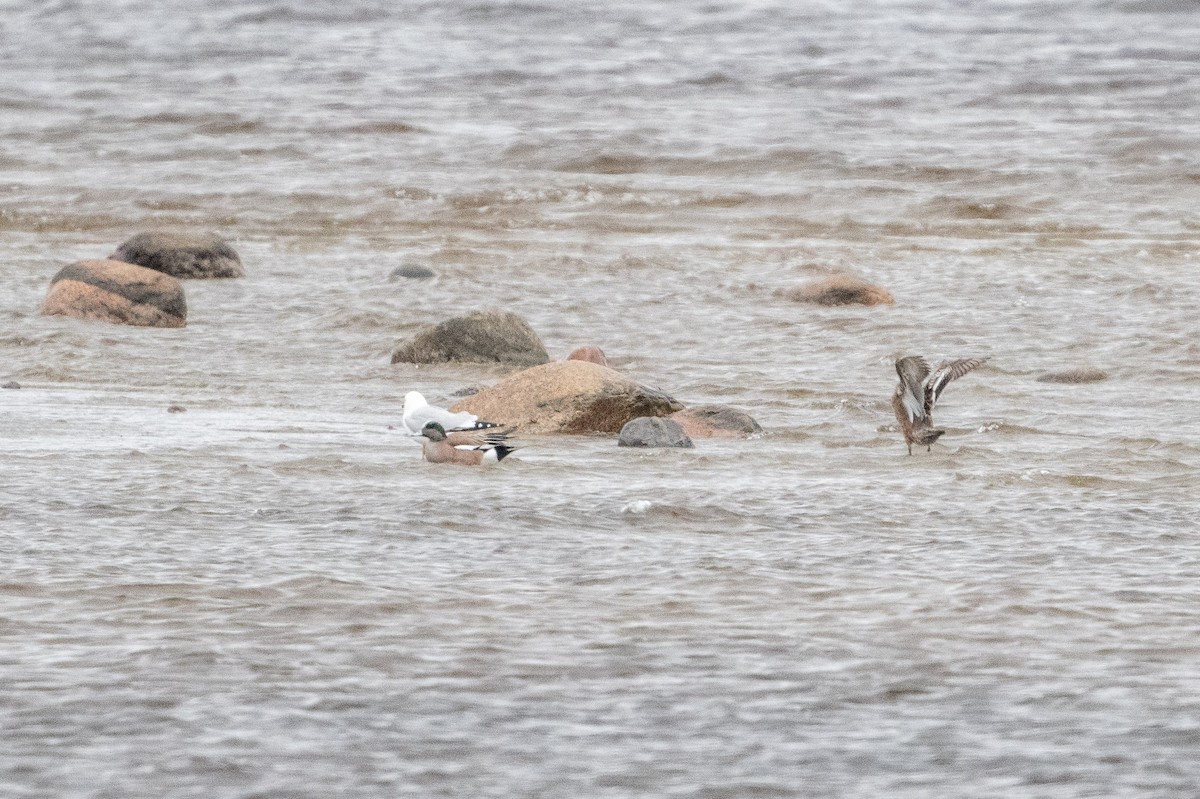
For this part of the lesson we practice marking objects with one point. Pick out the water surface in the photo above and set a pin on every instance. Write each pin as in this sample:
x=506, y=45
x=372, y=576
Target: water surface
x=270, y=595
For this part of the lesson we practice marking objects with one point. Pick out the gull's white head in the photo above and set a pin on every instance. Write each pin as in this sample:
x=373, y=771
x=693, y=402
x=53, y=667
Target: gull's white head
x=414, y=400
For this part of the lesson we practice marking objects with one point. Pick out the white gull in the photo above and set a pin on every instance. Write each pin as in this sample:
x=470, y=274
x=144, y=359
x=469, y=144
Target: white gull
x=418, y=413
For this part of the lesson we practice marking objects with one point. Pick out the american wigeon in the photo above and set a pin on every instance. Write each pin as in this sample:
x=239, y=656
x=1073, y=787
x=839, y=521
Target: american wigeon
x=918, y=392
x=464, y=447
x=418, y=413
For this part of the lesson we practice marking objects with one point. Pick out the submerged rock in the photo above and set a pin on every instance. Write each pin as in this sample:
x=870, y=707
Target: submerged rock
x=716, y=421
x=479, y=337
x=182, y=255
x=11, y=384
x=567, y=397
x=653, y=431
x=1081, y=375
x=411, y=272
x=116, y=292
x=839, y=290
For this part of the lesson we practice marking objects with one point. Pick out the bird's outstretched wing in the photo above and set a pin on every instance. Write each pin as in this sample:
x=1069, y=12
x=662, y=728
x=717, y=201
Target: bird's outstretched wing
x=912, y=370
x=946, y=372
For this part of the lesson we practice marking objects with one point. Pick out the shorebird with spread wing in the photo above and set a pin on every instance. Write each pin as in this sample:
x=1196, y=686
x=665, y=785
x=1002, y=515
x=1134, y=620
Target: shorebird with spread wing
x=918, y=392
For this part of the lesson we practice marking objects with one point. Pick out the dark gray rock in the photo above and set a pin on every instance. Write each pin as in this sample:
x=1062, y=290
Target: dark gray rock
x=479, y=337
x=653, y=431
x=182, y=255
x=11, y=384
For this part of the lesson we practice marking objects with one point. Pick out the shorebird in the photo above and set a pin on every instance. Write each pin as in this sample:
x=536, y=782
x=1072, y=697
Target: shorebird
x=464, y=447
x=418, y=412
x=918, y=392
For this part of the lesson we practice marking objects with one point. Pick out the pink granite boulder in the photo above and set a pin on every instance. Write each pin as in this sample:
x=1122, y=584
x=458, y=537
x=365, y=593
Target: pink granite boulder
x=116, y=292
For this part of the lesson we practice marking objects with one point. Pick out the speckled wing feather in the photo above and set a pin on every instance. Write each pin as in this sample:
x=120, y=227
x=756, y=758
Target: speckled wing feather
x=479, y=439
x=946, y=372
x=912, y=371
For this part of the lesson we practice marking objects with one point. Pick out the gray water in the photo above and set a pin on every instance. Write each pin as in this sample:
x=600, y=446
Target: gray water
x=271, y=595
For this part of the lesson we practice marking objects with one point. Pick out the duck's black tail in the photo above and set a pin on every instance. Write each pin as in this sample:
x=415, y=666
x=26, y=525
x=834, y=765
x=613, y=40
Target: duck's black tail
x=502, y=451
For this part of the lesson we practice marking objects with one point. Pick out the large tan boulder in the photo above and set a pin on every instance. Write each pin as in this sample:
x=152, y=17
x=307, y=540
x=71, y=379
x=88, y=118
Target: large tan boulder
x=567, y=397
x=184, y=255
x=478, y=337
x=840, y=290
x=121, y=293
x=716, y=421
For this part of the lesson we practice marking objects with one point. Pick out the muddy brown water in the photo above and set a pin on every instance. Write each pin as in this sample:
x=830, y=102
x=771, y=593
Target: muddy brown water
x=268, y=594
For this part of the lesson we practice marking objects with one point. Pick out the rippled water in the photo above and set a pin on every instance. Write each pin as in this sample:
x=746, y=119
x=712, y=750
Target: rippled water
x=270, y=595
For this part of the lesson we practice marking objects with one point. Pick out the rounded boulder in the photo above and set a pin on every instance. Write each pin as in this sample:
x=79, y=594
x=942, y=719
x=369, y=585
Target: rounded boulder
x=479, y=337
x=567, y=397
x=716, y=421
x=653, y=431
x=839, y=290
x=116, y=292
x=182, y=255
x=593, y=354
x=411, y=272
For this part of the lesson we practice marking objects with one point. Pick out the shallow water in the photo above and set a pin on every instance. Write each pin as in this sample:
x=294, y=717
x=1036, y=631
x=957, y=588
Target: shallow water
x=270, y=595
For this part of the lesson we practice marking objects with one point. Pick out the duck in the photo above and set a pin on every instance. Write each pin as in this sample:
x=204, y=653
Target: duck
x=918, y=392
x=463, y=447
x=418, y=413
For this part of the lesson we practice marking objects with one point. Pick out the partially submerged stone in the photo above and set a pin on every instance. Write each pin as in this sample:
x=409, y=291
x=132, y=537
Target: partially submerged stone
x=593, y=354
x=716, y=421
x=567, y=397
x=839, y=290
x=653, y=431
x=1081, y=375
x=116, y=292
x=479, y=337
x=183, y=255
x=411, y=272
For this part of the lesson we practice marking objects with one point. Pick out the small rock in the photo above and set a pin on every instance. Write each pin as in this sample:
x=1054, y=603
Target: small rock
x=182, y=255
x=592, y=354
x=411, y=272
x=653, y=431
x=11, y=384
x=479, y=337
x=567, y=397
x=116, y=292
x=716, y=421
x=1082, y=375
x=839, y=290
x=175, y=409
